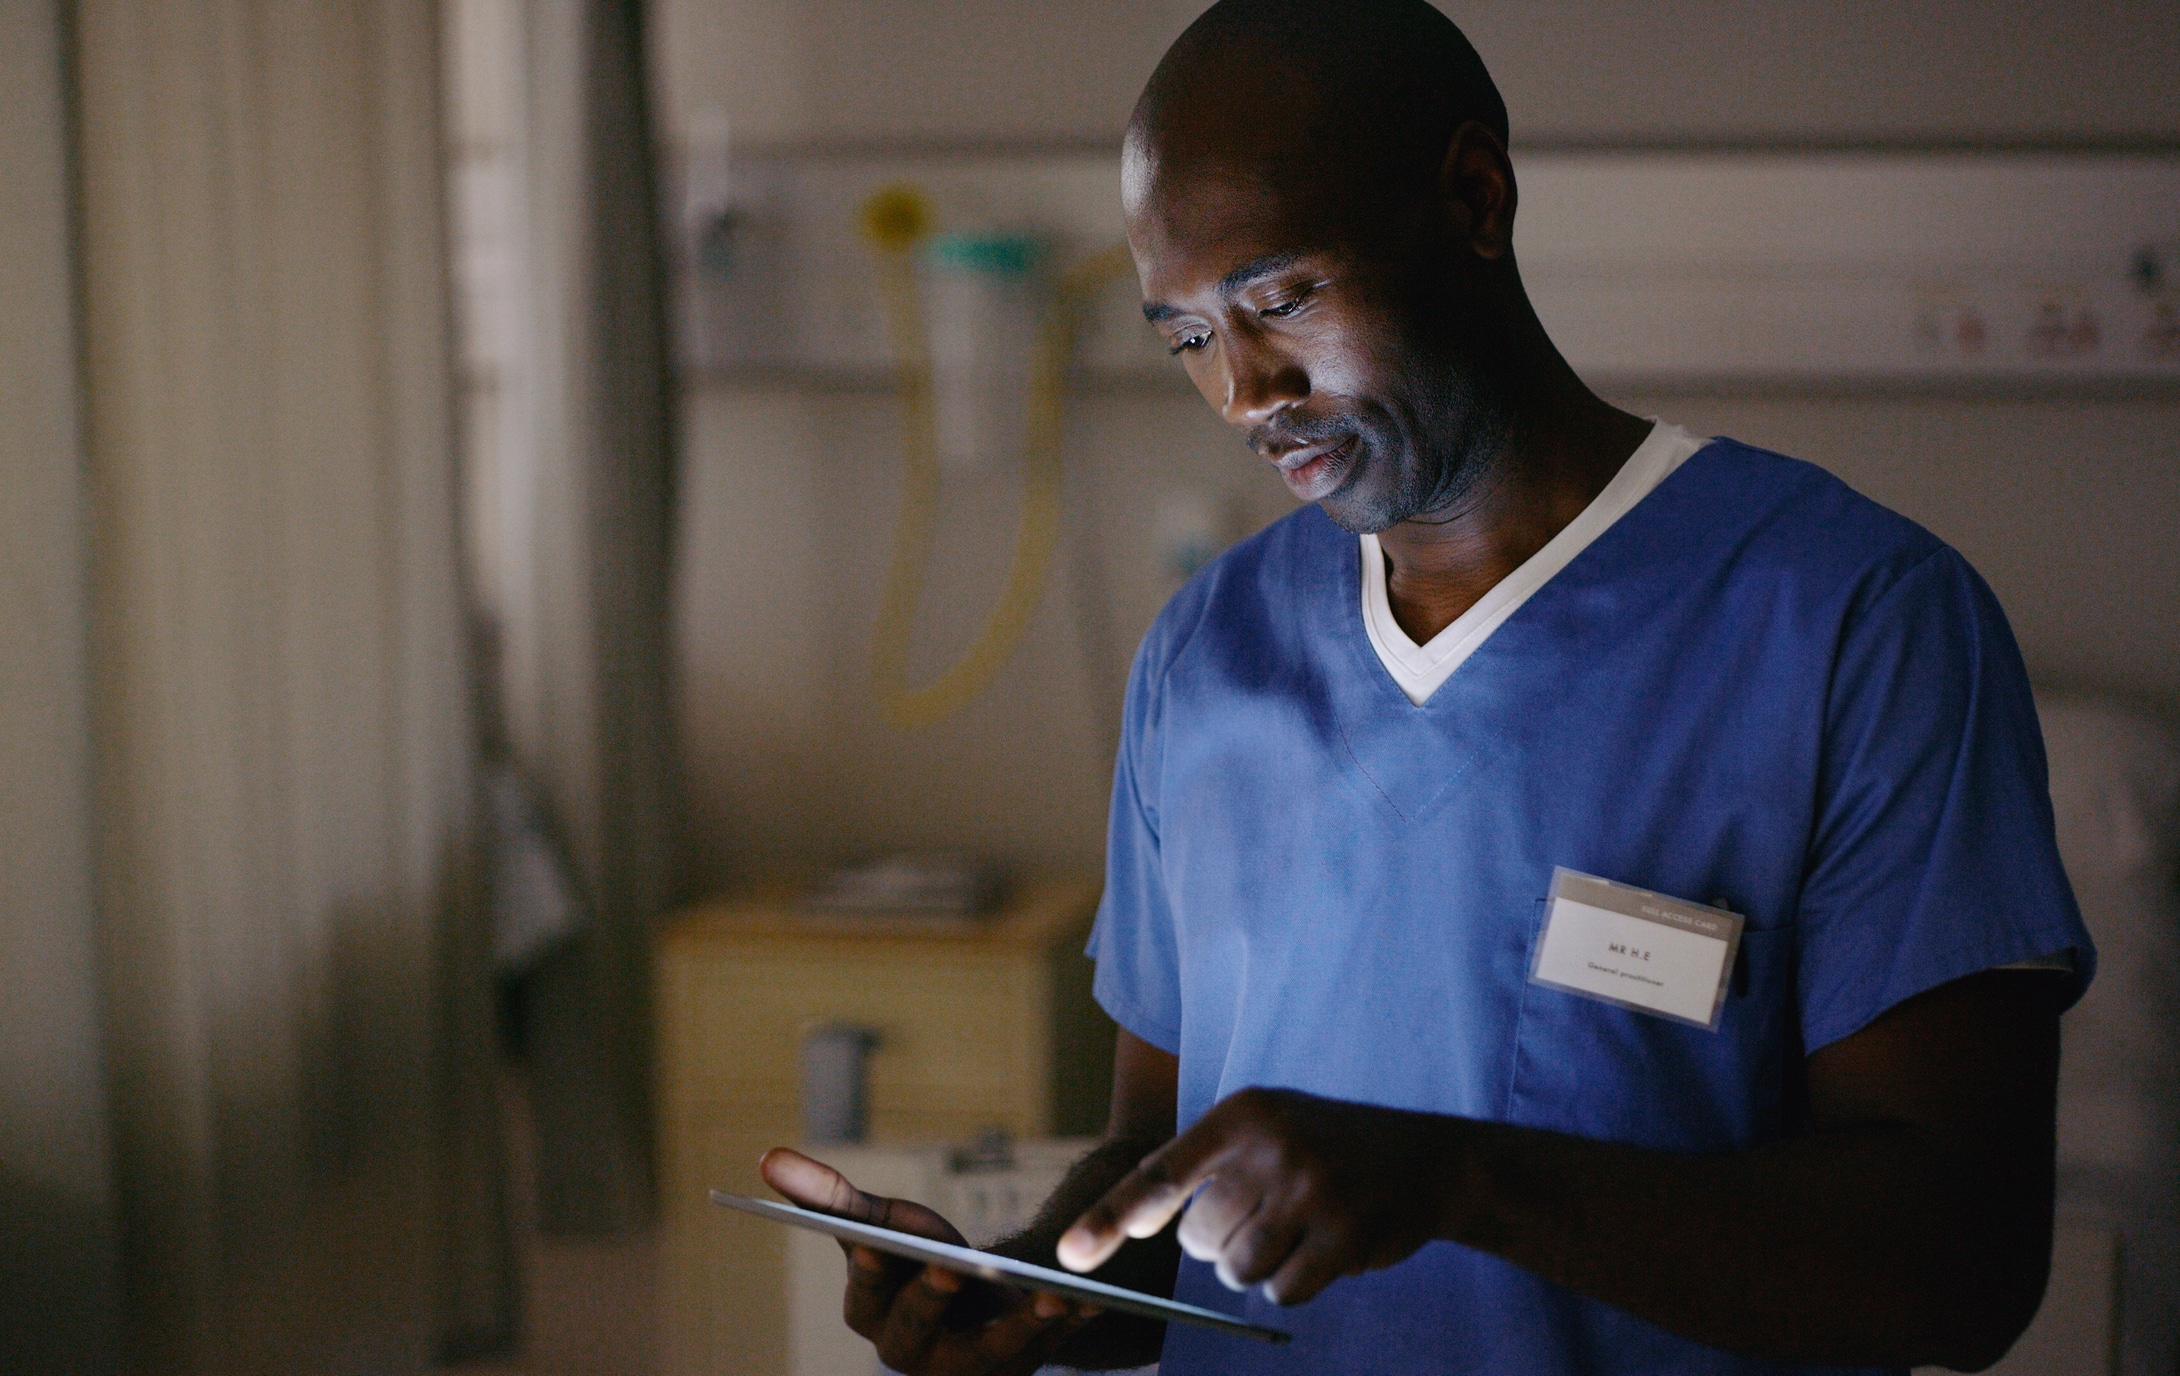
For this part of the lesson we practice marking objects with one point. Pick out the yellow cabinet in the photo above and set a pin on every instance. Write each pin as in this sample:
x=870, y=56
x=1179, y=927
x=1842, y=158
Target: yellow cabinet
x=981, y=1023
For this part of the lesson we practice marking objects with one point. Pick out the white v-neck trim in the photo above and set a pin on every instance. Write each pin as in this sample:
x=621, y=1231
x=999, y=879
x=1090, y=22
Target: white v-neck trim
x=1420, y=669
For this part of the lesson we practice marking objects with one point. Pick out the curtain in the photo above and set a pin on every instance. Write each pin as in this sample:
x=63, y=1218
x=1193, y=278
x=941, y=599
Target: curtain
x=57, y=1297
x=581, y=515
x=297, y=1022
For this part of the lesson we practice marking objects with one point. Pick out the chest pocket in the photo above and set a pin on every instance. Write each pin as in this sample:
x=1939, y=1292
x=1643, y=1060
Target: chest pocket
x=1601, y=1071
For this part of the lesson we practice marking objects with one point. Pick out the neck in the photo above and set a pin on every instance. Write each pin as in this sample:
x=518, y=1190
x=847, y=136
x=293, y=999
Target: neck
x=1564, y=446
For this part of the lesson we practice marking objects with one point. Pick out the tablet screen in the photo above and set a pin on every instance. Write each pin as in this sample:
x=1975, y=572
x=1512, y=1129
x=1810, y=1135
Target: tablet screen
x=1020, y=1275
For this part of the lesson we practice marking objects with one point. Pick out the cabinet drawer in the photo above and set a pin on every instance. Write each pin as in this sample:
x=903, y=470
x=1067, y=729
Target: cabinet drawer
x=990, y=1027
x=943, y=1029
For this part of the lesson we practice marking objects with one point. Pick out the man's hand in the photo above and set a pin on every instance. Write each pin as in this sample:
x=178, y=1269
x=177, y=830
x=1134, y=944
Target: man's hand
x=1296, y=1192
x=1907, y=1224
x=925, y=1321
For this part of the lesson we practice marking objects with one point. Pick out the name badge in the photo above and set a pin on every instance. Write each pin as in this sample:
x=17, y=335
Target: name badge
x=1635, y=948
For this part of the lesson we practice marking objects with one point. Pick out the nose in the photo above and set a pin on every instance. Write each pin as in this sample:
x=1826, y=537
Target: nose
x=1261, y=381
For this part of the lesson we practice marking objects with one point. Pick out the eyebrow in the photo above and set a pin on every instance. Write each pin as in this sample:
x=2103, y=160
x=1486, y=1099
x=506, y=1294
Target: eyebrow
x=1251, y=271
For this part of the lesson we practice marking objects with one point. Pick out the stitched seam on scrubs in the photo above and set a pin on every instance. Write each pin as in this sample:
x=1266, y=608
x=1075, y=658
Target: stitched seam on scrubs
x=1956, y=781
x=1133, y=754
x=1849, y=626
x=1177, y=646
x=2014, y=943
x=1848, y=629
x=1129, y=1015
x=1998, y=948
x=1214, y=573
x=1364, y=770
x=1960, y=967
x=1521, y=1006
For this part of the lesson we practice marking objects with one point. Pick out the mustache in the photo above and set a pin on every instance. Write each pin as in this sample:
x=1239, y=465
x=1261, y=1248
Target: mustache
x=1277, y=437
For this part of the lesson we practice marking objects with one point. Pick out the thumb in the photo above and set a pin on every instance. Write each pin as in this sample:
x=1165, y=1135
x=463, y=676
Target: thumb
x=813, y=1184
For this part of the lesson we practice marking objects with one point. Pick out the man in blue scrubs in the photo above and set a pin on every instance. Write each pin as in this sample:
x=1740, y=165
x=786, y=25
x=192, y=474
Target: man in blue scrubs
x=1580, y=898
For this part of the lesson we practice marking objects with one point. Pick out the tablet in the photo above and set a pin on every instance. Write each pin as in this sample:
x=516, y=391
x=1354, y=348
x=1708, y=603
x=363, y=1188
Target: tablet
x=1019, y=1275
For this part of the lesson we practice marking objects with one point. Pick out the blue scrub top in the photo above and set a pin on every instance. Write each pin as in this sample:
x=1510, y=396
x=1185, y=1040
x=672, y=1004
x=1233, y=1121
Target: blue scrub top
x=1757, y=689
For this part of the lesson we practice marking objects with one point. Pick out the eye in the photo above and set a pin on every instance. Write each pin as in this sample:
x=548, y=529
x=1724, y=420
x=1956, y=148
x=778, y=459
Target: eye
x=1190, y=343
x=1287, y=307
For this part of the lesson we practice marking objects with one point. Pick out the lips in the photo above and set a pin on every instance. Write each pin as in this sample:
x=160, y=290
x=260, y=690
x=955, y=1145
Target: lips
x=1314, y=470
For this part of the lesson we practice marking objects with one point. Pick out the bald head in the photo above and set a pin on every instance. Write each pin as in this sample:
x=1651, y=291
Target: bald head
x=1364, y=95
x=1320, y=204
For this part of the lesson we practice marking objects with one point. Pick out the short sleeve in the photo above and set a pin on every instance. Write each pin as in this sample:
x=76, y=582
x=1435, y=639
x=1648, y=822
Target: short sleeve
x=1934, y=854
x=1138, y=976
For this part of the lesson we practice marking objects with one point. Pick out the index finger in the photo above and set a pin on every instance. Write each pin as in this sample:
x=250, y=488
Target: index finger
x=1146, y=1198
x=874, y=1279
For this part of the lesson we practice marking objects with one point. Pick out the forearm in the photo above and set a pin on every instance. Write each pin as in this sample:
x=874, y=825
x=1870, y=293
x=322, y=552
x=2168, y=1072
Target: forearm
x=1858, y=1245
x=1110, y=1340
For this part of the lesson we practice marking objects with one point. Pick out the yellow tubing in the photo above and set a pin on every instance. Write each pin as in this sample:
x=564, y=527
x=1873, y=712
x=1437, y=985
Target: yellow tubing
x=907, y=707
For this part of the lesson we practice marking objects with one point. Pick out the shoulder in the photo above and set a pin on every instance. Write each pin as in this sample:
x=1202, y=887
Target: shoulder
x=1793, y=508
x=1255, y=591
x=1794, y=529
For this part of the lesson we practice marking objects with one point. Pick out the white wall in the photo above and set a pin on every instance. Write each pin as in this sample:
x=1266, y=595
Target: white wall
x=2070, y=507
x=1570, y=69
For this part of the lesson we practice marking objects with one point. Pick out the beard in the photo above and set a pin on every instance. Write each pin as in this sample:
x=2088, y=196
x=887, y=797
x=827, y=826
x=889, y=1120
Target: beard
x=1414, y=458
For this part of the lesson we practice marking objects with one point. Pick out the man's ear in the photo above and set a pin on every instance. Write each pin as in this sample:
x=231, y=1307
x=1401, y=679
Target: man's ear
x=1476, y=191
